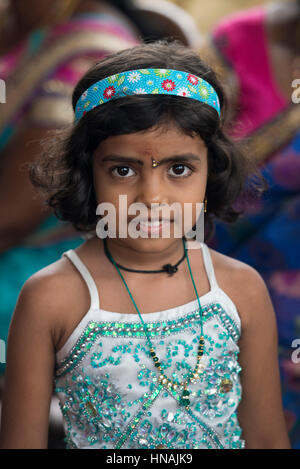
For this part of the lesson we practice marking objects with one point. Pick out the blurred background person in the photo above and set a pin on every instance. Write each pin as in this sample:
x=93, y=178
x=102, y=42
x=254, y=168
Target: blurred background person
x=258, y=50
x=207, y=13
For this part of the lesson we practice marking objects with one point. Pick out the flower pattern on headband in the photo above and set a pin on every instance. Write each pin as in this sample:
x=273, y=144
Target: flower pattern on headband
x=168, y=85
x=183, y=92
x=134, y=77
x=109, y=92
x=147, y=81
x=140, y=91
x=162, y=73
x=192, y=79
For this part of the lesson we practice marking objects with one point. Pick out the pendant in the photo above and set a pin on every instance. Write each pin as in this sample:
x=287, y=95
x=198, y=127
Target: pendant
x=170, y=269
x=91, y=409
x=184, y=399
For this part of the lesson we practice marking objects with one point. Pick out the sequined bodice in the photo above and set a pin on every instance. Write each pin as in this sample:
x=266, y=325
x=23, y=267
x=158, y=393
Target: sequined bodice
x=108, y=387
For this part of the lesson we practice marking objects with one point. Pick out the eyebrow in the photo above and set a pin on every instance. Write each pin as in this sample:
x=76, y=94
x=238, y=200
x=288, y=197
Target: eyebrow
x=173, y=158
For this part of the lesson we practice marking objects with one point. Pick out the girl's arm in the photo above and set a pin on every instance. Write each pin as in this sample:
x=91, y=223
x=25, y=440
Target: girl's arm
x=29, y=372
x=260, y=412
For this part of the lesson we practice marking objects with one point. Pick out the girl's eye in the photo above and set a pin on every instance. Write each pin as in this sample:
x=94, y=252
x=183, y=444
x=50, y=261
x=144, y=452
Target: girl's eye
x=121, y=171
x=179, y=170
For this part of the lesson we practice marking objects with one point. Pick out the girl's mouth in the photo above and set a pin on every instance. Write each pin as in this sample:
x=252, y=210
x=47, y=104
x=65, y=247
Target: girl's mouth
x=152, y=227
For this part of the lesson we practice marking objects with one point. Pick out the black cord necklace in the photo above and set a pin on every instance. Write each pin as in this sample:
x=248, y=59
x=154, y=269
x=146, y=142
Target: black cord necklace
x=168, y=268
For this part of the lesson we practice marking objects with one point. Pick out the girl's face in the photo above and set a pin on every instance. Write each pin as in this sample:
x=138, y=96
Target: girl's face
x=122, y=165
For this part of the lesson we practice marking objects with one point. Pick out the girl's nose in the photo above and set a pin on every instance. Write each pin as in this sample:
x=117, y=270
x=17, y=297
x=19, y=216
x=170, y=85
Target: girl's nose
x=152, y=190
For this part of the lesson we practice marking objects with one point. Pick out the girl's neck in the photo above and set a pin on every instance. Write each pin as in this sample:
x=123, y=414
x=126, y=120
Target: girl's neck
x=125, y=253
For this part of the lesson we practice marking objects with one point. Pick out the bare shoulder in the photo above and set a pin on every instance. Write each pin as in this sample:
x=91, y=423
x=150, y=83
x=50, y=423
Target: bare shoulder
x=245, y=286
x=40, y=287
x=37, y=322
x=229, y=267
x=50, y=294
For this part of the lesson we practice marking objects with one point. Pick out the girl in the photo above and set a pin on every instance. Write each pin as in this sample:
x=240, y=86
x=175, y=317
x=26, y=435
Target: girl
x=149, y=345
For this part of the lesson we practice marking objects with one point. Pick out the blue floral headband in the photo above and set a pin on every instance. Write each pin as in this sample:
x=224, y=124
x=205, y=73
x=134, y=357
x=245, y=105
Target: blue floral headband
x=146, y=81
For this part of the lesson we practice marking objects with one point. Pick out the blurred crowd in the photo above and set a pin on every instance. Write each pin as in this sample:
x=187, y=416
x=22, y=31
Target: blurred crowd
x=46, y=46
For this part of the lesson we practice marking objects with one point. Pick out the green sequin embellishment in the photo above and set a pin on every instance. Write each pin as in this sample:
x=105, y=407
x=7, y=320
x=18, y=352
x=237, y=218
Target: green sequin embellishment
x=135, y=330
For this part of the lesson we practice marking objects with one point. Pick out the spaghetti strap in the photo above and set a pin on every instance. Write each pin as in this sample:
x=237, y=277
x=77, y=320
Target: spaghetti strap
x=209, y=267
x=75, y=259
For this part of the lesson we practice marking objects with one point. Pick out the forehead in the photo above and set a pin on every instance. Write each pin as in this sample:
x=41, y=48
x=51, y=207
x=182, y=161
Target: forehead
x=153, y=142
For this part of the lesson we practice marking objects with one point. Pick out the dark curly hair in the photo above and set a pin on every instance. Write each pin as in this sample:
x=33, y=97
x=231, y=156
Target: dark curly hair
x=64, y=171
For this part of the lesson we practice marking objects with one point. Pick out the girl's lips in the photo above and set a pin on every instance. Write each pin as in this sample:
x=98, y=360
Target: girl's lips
x=152, y=228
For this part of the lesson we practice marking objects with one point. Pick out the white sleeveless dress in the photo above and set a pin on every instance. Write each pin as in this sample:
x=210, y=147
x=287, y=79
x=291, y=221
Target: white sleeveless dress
x=108, y=387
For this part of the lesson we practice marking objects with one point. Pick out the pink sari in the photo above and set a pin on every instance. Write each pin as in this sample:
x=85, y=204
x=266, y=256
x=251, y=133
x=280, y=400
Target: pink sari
x=41, y=71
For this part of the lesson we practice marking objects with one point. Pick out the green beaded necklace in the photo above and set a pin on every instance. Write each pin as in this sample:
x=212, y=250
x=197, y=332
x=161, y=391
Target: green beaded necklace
x=168, y=383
